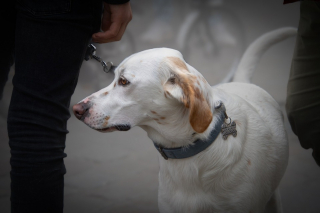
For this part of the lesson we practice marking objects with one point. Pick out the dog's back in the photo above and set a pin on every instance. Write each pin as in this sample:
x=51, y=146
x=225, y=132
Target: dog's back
x=260, y=119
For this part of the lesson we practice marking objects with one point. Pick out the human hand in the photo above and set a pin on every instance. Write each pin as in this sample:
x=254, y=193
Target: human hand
x=114, y=22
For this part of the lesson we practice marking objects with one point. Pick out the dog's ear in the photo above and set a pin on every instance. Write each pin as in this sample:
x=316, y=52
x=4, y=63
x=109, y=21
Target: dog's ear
x=181, y=86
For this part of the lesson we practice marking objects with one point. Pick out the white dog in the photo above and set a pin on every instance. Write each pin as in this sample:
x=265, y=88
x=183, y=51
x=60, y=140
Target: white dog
x=201, y=168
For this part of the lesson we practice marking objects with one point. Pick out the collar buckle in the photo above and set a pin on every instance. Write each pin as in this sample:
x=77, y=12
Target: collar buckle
x=162, y=153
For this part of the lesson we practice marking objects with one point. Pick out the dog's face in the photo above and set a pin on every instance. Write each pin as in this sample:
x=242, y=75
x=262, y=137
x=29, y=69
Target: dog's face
x=153, y=88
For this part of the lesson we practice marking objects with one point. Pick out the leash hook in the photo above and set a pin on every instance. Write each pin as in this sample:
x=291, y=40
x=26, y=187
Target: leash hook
x=91, y=53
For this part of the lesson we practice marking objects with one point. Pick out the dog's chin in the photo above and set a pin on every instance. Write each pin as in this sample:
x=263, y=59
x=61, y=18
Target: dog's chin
x=105, y=130
x=122, y=127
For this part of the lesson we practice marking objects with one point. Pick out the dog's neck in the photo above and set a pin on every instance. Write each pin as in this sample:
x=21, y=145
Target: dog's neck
x=168, y=142
x=178, y=132
x=168, y=136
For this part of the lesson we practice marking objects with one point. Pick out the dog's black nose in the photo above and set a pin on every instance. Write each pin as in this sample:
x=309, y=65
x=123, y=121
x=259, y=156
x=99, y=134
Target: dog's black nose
x=80, y=110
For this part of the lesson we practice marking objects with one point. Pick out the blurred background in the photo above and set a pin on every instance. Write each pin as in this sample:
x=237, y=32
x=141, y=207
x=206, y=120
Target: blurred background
x=118, y=172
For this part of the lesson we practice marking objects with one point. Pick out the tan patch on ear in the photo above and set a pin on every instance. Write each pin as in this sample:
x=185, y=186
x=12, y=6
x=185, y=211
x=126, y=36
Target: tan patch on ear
x=106, y=93
x=200, y=115
x=114, y=84
x=178, y=63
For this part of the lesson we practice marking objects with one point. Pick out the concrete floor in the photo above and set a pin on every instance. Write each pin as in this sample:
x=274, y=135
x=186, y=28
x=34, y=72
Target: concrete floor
x=117, y=172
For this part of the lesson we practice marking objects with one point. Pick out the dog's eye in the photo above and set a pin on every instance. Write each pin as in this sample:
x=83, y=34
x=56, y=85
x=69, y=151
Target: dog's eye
x=123, y=81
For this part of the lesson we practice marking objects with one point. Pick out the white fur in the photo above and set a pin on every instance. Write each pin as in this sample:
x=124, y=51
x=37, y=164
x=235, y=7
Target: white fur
x=240, y=174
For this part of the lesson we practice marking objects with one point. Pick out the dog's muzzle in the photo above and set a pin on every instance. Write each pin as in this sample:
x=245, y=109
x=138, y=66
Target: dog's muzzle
x=81, y=110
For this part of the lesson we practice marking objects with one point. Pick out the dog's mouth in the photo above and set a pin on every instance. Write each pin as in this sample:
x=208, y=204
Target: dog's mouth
x=121, y=127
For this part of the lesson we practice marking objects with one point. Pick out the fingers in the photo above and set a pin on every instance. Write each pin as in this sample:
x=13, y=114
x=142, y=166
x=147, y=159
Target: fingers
x=114, y=23
x=121, y=31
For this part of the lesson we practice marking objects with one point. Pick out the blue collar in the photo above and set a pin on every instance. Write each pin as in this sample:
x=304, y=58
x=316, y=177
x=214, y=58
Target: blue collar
x=197, y=147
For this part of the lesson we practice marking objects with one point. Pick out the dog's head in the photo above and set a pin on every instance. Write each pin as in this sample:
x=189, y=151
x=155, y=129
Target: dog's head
x=153, y=89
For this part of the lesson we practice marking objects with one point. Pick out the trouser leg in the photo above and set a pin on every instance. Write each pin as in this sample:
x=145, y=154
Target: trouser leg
x=303, y=92
x=49, y=51
x=7, y=46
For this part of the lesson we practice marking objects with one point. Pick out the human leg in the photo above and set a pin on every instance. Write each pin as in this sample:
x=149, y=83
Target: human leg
x=7, y=54
x=51, y=40
x=303, y=92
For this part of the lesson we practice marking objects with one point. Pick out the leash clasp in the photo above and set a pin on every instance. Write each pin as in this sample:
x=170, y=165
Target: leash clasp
x=91, y=53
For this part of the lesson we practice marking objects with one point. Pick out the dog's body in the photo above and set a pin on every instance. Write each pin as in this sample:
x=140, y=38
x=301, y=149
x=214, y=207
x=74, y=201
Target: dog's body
x=235, y=175
x=158, y=91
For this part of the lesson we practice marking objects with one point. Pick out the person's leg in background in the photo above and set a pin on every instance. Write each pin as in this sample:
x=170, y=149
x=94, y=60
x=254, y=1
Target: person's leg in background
x=50, y=43
x=303, y=94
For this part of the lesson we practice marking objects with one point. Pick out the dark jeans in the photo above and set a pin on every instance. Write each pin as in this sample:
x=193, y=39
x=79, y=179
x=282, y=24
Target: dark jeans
x=7, y=21
x=303, y=100
x=50, y=42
